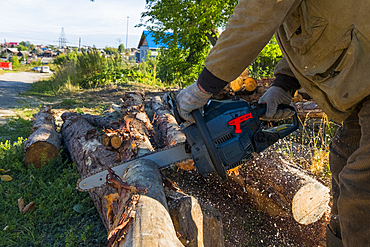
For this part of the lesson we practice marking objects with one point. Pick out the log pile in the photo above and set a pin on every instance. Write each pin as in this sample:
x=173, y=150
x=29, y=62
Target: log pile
x=137, y=210
x=133, y=208
x=305, y=106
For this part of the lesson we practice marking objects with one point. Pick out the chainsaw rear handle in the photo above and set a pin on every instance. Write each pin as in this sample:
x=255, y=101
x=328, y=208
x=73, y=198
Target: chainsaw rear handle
x=209, y=143
x=281, y=130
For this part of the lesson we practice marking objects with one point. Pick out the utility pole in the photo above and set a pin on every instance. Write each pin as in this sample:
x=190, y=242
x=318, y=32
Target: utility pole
x=127, y=31
x=62, y=39
x=79, y=44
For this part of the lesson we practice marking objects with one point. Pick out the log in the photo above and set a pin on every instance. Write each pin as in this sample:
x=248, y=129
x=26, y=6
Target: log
x=197, y=224
x=133, y=112
x=84, y=144
x=308, y=109
x=107, y=122
x=166, y=124
x=152, y=225
x=284, y=190
x=44, y=142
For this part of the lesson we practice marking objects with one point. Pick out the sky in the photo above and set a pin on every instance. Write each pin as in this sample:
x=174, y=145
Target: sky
x=101, y=23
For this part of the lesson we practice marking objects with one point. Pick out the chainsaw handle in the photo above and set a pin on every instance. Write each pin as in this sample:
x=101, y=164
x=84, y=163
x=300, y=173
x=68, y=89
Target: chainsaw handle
x=281, y=130
x=172, y=105
x=210, y=145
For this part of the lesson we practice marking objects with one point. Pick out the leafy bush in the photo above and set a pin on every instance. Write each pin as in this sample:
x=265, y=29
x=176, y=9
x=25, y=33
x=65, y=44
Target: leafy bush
x=15, y=62
x=63, y=58
x=36, y=63
x=263, y=66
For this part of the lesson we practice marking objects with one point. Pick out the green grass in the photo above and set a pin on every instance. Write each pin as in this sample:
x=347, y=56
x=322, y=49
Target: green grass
x=63, y=216
x=14, y=128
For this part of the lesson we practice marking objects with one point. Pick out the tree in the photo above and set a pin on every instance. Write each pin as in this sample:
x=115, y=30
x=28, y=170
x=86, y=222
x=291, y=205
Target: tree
x=193, y=24
x=110, y=50
x=15, y=62
x=121, y=48
x=22, y=48
x=263, y=66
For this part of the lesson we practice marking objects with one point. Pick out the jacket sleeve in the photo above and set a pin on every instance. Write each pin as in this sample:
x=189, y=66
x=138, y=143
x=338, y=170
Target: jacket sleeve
x=249, y=29
x=285, y=78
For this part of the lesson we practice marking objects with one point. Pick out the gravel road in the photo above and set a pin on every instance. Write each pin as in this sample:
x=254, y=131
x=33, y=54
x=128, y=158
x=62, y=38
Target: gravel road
x=11, y=84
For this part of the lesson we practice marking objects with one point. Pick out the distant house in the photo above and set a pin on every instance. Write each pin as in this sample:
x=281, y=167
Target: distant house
x=147, y=42
x=23, y=53
x=12, y=44
x=11, y=50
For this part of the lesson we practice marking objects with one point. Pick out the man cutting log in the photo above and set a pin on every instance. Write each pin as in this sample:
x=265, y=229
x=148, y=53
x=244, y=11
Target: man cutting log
x=326, y=51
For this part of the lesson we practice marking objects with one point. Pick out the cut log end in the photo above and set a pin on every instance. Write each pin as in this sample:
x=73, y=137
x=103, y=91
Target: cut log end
x=310, y=203
x=116, y=141
x=39, y=153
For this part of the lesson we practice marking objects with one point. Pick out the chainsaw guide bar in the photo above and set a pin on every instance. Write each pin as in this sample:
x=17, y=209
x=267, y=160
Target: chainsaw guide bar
x=168, y=156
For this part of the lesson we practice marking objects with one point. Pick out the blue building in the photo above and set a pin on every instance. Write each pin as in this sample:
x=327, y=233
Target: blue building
x=147, y=42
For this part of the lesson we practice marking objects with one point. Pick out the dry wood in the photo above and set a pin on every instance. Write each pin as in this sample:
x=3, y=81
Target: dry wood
x=44, y=142
x=105, y=139
x=166, y=123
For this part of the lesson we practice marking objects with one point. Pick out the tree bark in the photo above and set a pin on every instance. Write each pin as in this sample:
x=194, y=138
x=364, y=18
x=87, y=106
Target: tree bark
x=152, y=225
x=108, y=122
x=82, y=141
x=44, y=142
x=166, y=124
x=284, y=189
x=87, y=151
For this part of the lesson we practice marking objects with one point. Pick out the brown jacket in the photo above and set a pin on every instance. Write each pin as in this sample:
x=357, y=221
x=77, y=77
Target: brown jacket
x=325, y=45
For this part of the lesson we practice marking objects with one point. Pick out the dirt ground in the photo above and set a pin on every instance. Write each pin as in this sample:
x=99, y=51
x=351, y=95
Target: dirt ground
x=243, y=225
x=11, y=84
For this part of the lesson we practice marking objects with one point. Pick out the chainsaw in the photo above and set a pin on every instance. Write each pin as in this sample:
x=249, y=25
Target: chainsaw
x=225, y=135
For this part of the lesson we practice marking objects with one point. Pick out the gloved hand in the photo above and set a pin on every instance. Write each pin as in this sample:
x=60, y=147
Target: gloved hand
x=191, y=98
x=273, y=97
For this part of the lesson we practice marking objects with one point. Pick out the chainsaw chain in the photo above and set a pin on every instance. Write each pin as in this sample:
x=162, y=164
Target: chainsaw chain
x=130, y=160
